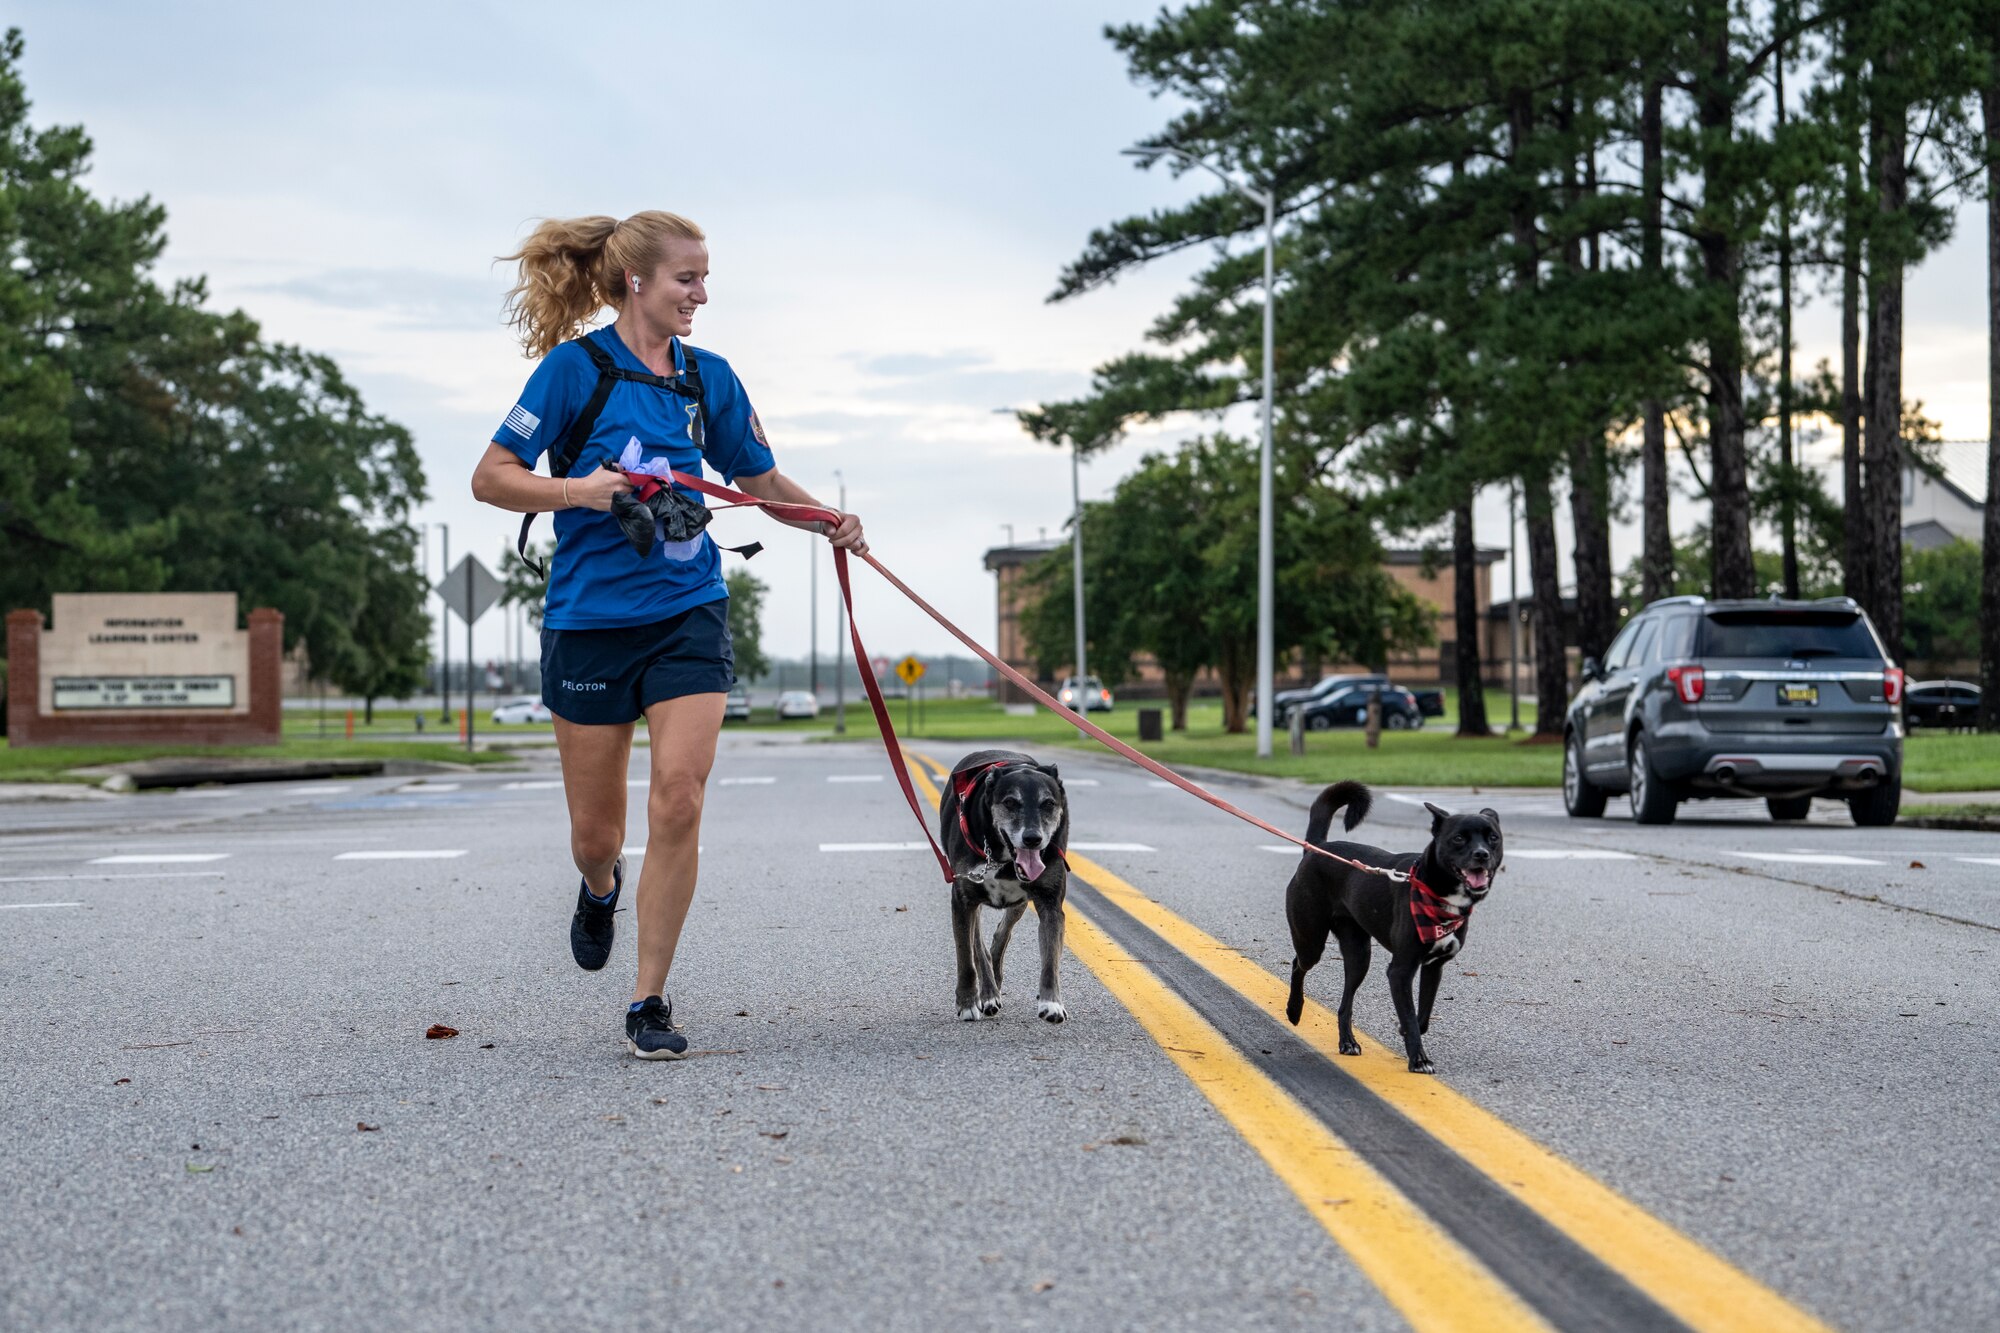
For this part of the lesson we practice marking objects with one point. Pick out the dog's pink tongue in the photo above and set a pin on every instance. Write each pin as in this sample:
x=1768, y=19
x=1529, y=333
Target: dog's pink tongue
x=1027, y=864
x=1475, y=879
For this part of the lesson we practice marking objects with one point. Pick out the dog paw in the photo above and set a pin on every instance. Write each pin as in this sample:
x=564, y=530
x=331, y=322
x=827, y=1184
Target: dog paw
x=1422, y=1067
x=989, y=1006
x=968, y=1013
x=1051, y=1011
x=1349, y=1046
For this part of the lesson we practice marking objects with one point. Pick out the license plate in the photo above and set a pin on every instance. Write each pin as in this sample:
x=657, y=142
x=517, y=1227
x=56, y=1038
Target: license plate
x=1800, y=693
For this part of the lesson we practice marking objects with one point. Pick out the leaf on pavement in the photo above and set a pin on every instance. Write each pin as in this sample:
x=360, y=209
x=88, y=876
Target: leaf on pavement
x=195, y=1170
x=1043, y=1286
x=775, y=1133
x=363, y=1127
x=438, y=1032
x=1916, y=865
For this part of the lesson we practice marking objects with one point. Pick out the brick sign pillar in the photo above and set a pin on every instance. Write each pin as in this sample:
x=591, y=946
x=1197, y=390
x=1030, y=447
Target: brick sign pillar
x=138, y=638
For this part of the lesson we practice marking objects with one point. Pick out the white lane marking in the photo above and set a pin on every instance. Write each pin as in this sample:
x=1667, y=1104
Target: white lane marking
x=638, y=782
x=438, y=855
x=855, y=777
x=1159, y=782
x=1285, y=847
x=15, y=907
x=1979, y=860
x=873, y=846
x=537, y=785
x=747, y=782
x=1112, y=847
x=1808, y=858
x=200, y=793
x=1406, y=800
x=425, y=788
x=318, y=791
x=1079, y=782
x=165, y=874
x=159, y=858
x=1565, y=854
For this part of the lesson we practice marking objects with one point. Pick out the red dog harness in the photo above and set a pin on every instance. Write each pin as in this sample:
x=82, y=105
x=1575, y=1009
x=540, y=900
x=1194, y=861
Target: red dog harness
x=1435, y=917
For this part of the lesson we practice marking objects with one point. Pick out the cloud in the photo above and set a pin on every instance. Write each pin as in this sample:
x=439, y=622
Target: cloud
x=913, y=365
x=411, y=298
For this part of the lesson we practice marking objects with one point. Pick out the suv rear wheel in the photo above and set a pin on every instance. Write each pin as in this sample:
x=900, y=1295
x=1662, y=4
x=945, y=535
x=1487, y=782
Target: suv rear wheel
x=1580, y=797
x=1876, y=807
x=1653, y=802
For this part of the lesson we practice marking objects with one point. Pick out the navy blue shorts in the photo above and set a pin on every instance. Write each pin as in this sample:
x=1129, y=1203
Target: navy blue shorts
x=601, y=677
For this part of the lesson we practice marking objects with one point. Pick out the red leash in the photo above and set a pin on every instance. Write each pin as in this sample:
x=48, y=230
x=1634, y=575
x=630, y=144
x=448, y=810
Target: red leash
x=815, y=514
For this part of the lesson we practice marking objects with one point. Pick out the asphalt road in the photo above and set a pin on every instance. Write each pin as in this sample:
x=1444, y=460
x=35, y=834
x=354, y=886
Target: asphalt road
x=1720, y=1074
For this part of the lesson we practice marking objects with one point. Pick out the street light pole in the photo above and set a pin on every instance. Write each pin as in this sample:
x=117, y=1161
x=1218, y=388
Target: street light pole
x=840, y=640
x=1513, y=614
x=444, y=633
x=812, y=620
x=1076, y=546
x=1266, y=544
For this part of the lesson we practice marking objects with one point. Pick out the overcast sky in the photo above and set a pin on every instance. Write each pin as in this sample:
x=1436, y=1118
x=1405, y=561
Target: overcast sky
x=889, y=190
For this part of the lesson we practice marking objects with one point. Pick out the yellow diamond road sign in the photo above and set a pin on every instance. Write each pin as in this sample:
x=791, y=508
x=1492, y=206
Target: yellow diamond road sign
x=910, y=669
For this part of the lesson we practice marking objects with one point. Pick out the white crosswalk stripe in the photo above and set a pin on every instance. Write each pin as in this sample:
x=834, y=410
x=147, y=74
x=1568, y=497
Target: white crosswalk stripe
x=159, y=858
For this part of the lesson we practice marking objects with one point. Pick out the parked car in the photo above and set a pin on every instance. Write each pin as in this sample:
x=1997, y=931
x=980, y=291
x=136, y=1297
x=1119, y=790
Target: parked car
x=1349, y=708
x=526, y=708
x=1096, y=699
x=797, y=703
x=1787, y=700
x=737, y=706
x=1941, y=703
x=1283, y=701
x=1430, y=702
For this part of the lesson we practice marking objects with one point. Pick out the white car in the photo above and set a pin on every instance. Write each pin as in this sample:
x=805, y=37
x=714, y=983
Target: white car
x=797, y=703
x=527, y=708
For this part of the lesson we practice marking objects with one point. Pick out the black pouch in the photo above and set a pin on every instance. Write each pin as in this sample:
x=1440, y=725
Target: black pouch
x=670, y=511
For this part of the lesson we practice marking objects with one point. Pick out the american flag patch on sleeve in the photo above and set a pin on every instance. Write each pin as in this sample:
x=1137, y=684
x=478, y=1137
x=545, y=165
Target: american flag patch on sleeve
x=522, y=422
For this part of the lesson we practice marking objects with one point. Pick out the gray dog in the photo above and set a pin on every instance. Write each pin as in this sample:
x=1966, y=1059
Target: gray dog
x=1005, y=829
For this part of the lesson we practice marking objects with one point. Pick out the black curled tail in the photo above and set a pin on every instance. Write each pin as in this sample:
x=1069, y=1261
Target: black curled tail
x=1353, y=795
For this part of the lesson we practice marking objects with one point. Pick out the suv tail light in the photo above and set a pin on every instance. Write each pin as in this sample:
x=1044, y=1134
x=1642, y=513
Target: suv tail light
x=1892, y=685
x=1689, y=681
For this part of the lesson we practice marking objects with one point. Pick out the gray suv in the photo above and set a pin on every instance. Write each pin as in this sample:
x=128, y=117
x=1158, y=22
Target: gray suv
x=1698, y=698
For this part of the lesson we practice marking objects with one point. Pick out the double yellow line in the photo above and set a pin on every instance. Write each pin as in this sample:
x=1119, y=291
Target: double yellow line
x=1427, y=1275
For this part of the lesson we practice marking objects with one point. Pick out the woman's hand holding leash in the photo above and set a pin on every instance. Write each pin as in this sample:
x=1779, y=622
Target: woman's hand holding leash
x=594, y=489
x=847, y=534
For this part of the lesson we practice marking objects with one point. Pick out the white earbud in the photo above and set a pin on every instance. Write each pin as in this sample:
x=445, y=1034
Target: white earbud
x=635, y=284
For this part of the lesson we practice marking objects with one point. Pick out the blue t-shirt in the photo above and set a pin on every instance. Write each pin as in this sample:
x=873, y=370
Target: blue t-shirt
x=597, y=581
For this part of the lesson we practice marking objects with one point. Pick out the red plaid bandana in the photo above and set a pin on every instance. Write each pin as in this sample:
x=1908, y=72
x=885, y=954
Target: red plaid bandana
x=1435, y=917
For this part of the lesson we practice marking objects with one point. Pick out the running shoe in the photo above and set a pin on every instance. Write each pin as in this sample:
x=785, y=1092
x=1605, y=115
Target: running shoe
x=650, y=1033
x=590, y=930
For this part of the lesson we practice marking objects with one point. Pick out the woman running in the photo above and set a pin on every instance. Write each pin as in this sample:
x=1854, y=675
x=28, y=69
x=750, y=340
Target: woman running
x=626, y=635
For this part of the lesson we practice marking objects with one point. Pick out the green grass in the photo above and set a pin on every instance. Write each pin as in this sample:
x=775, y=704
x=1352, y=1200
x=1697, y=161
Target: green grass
x=1431, y=757
x=51, y=763
x=1939, y=810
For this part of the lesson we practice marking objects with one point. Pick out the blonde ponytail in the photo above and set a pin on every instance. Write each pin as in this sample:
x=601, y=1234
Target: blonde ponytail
x=571, y=268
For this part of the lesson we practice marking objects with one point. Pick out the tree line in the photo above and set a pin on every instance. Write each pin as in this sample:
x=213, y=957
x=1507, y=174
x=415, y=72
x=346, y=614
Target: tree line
x=1543, y=245
x=152, y=444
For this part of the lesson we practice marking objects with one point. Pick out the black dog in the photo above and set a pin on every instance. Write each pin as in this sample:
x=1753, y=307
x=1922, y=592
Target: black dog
x=1005, y=828
x=1421, y=922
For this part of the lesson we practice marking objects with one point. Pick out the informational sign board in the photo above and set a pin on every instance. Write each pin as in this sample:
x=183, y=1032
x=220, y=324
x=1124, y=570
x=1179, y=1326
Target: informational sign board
x=485, y=589
x=142, y=651
x=910, y=669
x=145, y=692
